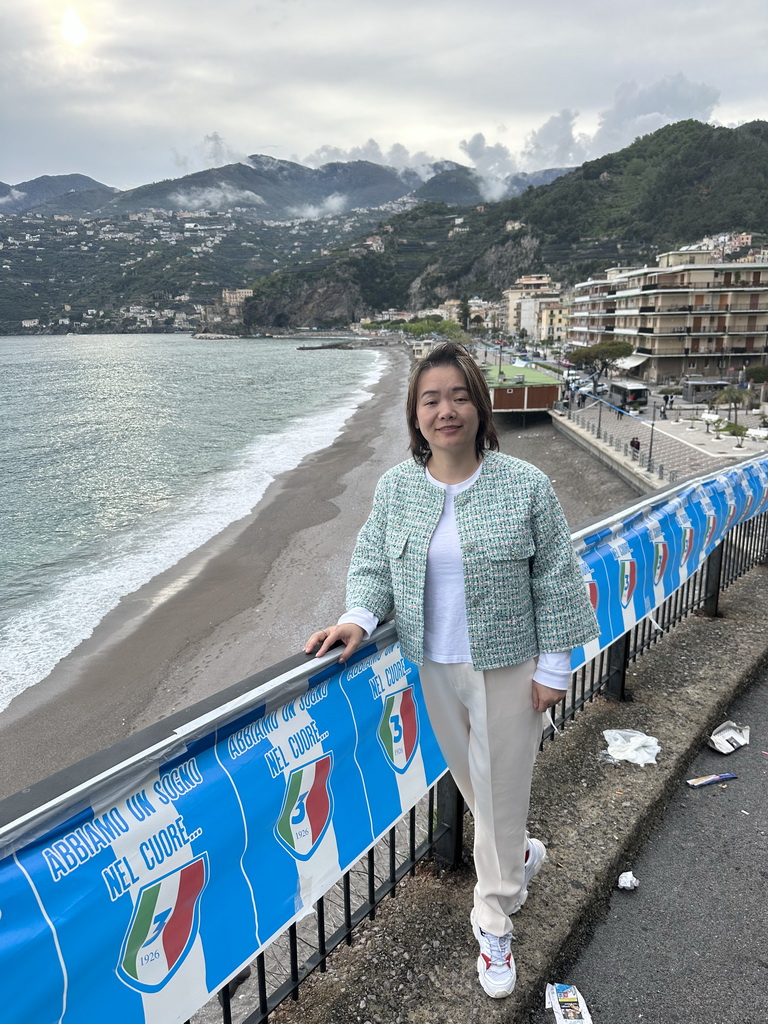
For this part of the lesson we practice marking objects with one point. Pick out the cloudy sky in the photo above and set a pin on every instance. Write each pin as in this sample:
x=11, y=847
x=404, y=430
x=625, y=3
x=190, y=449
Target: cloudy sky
x=133, y=91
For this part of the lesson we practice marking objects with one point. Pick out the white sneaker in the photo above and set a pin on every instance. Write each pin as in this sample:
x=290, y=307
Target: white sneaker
x=495, y=965
x=536, y=858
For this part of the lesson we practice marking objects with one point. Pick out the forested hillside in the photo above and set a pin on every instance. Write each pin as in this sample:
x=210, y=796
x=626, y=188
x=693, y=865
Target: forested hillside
x=667, y=189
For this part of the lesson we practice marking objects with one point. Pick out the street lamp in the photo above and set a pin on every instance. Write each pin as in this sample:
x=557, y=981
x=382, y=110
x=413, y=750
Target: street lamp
x=650, y=445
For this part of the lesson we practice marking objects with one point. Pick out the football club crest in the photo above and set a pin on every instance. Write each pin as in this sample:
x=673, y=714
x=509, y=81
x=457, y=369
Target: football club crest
x=307, y=808
x=627, y=580
x=729, y=517
x=594, y=593
x=163, y=927
x=689, y=535
x=660, y=559
x=399, y=728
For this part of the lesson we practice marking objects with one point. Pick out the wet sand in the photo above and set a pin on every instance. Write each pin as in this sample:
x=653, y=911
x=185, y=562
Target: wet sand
x=249, y=598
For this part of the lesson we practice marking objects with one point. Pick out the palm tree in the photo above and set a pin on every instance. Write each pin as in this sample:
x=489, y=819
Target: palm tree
x=733, y=397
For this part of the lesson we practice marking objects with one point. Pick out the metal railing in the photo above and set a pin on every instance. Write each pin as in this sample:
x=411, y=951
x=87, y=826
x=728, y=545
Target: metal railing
x=434, y=828
x=669, y=458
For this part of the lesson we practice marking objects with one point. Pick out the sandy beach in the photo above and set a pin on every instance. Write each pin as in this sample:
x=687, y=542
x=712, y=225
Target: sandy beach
x=240, y=603
x=249, y=598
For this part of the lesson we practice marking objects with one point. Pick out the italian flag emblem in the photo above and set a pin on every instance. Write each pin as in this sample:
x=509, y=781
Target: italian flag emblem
x=163, y=927
x=711, y=527
x=627, y=580
x=399, y=728
x=660, y=557
x=688, y=538
x=307, y=808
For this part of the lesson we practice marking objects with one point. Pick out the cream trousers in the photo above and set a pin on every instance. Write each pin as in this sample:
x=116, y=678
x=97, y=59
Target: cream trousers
x=489, y=735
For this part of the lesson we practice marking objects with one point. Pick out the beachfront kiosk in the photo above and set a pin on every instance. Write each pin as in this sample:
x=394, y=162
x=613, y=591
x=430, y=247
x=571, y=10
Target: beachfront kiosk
x=521, y=388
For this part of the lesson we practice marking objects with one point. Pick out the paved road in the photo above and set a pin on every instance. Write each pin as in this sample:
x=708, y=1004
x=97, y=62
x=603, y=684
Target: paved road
x=689, y=945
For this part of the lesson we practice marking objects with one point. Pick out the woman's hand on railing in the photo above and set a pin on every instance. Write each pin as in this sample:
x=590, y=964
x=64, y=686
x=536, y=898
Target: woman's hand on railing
x=348, y=633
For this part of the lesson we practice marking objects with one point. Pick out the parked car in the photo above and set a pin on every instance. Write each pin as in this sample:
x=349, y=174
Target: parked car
x=587, y=387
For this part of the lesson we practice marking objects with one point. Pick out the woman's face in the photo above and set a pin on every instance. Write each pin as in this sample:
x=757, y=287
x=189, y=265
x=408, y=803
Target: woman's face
x=445, y=414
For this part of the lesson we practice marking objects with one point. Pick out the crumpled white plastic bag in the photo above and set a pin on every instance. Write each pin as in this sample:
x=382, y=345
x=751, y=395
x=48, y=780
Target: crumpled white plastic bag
x=628, y=745
x=628, y=881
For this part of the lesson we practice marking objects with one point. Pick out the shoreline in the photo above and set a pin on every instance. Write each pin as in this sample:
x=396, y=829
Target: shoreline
x=243, y=601
x=249, y=597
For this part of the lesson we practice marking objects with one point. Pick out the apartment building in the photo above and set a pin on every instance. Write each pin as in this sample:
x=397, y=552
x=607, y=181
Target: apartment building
x=693, y=313
x=553, y=320
x=527, y=300
x=235, y=298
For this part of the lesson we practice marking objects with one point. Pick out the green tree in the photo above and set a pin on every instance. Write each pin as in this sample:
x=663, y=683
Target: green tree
x=733, y=397
x=600, y=358
x=464, y=313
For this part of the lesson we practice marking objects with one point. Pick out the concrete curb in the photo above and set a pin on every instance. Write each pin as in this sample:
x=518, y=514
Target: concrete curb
x=416, y=962
x=630, y=473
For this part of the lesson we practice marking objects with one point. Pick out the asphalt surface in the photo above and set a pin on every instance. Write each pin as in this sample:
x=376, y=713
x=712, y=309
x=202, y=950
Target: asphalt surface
x=689, y=944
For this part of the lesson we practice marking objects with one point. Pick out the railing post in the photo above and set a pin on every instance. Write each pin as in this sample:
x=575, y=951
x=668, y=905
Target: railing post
x=618, y=659
x=714, y=572
x=450, y=813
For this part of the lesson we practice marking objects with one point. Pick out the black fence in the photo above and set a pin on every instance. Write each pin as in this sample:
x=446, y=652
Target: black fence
x=433, y=830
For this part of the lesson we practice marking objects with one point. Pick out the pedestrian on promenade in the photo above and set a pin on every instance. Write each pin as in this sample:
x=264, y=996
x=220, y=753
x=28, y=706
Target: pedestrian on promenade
x=620, y=410
x=634, y=444
x=471, y=550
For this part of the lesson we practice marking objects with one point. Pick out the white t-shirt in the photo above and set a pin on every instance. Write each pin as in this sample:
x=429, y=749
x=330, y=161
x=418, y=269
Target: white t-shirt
x=446, y=638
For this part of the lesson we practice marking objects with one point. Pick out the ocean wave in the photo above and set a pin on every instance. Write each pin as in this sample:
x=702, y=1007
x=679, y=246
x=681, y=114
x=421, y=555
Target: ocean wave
x=38, y=637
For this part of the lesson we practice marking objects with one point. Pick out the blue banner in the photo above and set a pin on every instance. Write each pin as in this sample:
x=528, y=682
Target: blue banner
x=634, y=564
x=143, y=902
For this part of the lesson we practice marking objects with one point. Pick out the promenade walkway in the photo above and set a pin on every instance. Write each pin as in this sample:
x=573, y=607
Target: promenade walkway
x=671, y=449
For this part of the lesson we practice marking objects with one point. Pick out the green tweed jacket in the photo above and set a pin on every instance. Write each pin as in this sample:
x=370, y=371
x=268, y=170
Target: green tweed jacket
x=523, y=586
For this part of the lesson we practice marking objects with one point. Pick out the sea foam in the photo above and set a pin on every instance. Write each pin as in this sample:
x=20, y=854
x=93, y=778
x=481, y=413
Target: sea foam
x=33, y=641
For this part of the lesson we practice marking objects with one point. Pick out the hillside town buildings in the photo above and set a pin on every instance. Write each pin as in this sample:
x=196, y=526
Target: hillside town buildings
x=694, y=313
x=535, y=305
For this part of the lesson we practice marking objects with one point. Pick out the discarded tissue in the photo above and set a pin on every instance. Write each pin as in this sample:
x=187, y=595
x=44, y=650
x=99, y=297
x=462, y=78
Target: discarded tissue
x=628, y=745
x=628, y=881
x=729, y=737
x=568, y=1004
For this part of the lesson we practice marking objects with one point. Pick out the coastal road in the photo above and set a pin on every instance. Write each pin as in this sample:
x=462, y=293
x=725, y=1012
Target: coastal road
x=688, y=945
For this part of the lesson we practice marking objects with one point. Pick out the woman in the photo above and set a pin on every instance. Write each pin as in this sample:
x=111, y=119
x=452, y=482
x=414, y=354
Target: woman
x=471, y=550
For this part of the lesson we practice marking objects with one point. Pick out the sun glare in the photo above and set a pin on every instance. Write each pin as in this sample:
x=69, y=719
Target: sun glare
x=72, y=29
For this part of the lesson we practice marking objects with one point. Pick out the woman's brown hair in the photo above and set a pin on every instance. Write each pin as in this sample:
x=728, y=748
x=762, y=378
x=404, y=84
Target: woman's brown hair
x=450, y=353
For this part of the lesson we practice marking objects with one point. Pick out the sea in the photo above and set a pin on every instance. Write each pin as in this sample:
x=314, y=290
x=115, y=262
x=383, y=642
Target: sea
x=121, y=454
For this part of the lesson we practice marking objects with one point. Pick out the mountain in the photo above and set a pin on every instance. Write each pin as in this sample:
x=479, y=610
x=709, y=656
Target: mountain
x=263, y=188
x=669, y=188
x=28, y=195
